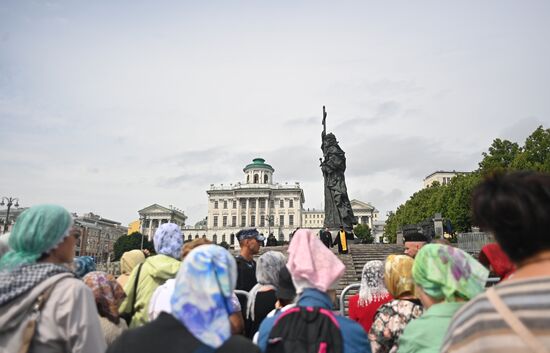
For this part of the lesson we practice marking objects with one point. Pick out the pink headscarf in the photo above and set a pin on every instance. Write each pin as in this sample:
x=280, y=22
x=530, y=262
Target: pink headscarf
x=311, y=263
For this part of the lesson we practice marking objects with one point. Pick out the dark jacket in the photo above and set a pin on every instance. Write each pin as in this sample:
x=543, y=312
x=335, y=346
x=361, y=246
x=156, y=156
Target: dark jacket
x=168, y=335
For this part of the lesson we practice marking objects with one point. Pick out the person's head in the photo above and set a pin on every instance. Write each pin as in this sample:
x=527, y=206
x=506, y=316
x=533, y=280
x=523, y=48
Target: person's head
x=286, y=292
x=250, y=240
x=168, y=240
x=107, y=292
x=311, y=263
x=268, y=267
x=372, y=283
x=187, y=247
x=44, y=233
x=492, y=257
x=131, y=259
x=398, y=276
x=82, y=265
x=413, y=243
x=515, y=208
x=202, y=295
x=444, y=273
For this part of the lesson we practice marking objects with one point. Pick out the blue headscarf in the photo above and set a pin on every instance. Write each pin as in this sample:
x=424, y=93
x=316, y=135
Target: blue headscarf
x=83, y=265
x=38, y=230
x=168, y=240
x=203, y=291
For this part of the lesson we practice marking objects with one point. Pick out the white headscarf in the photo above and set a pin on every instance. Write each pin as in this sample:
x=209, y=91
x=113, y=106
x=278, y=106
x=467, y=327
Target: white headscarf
x=372, y=283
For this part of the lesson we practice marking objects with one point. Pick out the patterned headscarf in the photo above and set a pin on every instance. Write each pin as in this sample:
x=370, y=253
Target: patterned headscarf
x=168, y=240
x=311, y=263
x=108, y=294
x=203, y=292
x=38, y=230
x=398, y=275
x=449, y=273
x=372, y=283
x=82, y=265
x=267, y=274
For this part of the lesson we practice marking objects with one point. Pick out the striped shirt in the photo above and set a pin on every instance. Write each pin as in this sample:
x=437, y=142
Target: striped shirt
x=477, y=327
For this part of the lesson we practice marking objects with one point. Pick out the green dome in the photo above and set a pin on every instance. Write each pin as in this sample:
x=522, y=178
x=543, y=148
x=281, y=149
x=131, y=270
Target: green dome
x=258, y=163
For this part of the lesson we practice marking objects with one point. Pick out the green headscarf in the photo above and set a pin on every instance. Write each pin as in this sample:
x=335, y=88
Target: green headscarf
x=445, y=272
x=37, y=231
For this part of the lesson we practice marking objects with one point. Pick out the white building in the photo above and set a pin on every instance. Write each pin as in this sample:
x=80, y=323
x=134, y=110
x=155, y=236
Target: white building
x=257, y=202
x=442, y=177
x=364, y=212
x=153, y=216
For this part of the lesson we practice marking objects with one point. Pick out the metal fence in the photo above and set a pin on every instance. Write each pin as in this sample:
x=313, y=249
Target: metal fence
x=473, y=242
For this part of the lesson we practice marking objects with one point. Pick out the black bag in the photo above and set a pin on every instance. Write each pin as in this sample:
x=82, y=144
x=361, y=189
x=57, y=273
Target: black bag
x=128, y=316
x=305, y=330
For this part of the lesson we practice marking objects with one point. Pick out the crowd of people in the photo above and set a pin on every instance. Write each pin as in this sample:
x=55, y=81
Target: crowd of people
x=197, y=297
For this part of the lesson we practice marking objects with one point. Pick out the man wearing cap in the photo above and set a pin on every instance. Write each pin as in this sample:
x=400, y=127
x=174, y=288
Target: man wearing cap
x=249, y=240
x=413, y=243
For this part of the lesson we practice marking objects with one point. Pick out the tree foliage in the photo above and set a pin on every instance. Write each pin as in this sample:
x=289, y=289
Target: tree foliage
x=131, y=242
x=363, y=232
x=453, y=200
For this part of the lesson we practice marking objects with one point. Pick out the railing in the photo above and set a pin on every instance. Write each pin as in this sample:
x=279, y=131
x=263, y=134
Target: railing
x=343, y=295
x=473, y=242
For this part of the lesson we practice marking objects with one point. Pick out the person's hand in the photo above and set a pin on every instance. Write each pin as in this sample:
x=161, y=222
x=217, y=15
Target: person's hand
x=146, y=252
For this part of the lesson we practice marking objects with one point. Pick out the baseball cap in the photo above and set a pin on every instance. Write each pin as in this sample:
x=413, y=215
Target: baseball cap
x=249, y=233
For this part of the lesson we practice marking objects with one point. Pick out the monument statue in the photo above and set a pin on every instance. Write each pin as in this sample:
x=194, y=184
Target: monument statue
x=338, y=212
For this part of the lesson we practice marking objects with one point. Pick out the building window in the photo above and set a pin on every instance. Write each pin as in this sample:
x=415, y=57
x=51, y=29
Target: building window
x=281, y=203
x=215, y=204
x=223, y=238
x=271, y=220
x=189, y=238
x=262, y=203
x=233, y=221
x=224, y=204
x=281, y=236
x=234, y=203
x=272, y=204
x=291, y=203
x=256, y=178
x=253, y=221
x=266, y=179
x=290, y=220
x=215, y=238
x=262, y=221
x=252, y=203
x=232, y=239
x=243, y=203
x=243, y=221
x=282, y=220
x=215, y=221
x=224, y=221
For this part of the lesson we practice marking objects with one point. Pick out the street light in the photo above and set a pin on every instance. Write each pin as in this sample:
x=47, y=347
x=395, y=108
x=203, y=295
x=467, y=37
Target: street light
x=9, y=202
x=269, y=220
x=142, y=218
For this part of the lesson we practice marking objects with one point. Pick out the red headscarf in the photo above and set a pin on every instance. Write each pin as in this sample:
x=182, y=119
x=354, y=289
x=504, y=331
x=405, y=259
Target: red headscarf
x=492, y=254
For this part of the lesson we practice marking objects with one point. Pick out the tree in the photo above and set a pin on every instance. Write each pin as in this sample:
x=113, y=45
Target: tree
x=535, y=154
x=500, y=156
x=131, y=242
x=363, y=232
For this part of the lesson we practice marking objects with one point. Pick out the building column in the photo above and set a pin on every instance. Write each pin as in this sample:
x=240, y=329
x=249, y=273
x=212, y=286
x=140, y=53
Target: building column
x=247, y=223
x=257, y=212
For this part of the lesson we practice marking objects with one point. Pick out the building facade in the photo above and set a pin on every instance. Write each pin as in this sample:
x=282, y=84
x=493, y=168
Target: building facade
x=257, y=202
x=153, y=216
x=442, y=177
x=364, y=212
x=98, y=236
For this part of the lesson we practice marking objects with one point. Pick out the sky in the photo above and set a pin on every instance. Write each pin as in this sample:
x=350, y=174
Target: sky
x=111, y=106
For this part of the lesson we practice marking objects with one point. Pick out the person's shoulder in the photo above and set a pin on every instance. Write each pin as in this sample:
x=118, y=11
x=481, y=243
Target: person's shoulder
x=350, y=326
x=238, y=343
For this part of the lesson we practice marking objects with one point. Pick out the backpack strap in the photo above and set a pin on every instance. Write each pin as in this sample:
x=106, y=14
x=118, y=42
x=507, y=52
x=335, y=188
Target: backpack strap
x=513, y=321
x=133, y=311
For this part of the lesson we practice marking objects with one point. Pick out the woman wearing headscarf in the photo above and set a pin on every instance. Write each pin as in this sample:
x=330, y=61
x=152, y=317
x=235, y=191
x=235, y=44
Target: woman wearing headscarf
x=492, y=257
x=392, y=317
x=160, y=300
x=445, y=277
x=146, y=277
x=35, y=285
x=372, y=294
x=108, y=295
x=83, y=265
x=128, y=261
x=200, y=310
x=315, y=271
x=262, y=297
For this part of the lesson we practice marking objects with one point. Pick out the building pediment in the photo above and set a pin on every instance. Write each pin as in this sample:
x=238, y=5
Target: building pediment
x=356, y=204
x=154, y=208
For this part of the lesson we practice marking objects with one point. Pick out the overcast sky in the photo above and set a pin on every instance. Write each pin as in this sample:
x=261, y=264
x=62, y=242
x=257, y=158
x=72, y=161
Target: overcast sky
x=110, y=106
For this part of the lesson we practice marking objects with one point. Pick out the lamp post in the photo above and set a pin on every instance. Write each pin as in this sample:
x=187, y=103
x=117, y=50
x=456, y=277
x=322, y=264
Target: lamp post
x=8, y=201
x=269, y=220
x=142, y=219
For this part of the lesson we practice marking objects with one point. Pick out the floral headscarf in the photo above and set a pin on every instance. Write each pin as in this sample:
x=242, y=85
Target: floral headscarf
x=267, y=274
x=447, y=272
x=203, y=292
x=108, y=294
x=83, y=265
x=398, y=275
x=372, y=283
x=492, y=254
x=168, y=240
